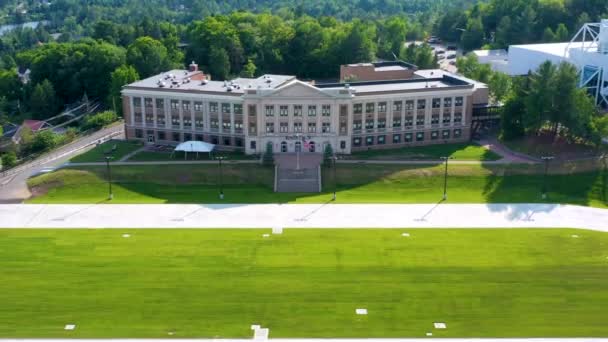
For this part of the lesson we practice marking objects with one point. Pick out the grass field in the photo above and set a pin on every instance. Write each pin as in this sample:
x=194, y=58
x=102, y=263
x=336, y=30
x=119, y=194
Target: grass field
x=98, y=153
x=304, y=283
x=356, y=184
x=464, y=151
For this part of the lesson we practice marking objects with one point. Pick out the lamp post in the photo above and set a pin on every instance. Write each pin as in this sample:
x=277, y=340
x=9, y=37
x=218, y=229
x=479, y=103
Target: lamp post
x=219, y=159
x=335, y=160
x=109, y=171
x=546, y=159
x=445, y=178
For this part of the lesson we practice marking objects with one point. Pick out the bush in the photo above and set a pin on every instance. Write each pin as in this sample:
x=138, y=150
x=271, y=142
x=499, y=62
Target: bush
x=9, y=160
x=43, y=141
x=100, y=120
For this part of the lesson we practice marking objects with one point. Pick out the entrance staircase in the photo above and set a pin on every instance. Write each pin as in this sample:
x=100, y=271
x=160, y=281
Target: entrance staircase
x=298, y=173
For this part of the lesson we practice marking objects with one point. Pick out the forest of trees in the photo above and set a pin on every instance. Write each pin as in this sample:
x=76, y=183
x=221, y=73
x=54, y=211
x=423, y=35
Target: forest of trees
x=499, y=23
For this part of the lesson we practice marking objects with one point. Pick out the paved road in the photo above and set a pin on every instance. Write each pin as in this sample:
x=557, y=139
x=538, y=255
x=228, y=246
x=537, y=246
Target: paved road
x=302, y=216
x=13, y=188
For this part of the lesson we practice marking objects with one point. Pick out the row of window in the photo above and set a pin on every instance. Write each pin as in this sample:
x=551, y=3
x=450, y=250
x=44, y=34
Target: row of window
x=296, y=109
x=409, y=105
x=297, y=127
x=408, y=122
x=406, y=138
x=227, y=108
x=177, y=137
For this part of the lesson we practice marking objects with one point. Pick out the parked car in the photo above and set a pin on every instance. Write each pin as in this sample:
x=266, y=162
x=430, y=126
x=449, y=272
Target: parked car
x=452, y=48
x=452, y=62
x=452, y=56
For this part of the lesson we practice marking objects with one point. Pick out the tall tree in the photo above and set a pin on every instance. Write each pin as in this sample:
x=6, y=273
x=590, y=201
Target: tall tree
x=473, y=37
x=148, y=56
x=42, y=101
x=123, y=75
x=219, y=64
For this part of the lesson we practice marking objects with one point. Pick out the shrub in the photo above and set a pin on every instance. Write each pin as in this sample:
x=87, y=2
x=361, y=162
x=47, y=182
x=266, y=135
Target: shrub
x=100, y=120
x=9, y=159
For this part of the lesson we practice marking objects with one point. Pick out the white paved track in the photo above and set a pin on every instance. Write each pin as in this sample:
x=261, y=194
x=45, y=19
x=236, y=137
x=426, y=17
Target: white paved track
x=303, y=216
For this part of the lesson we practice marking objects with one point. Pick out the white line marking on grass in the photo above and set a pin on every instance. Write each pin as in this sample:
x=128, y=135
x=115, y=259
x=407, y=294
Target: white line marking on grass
x=429, y=334
x=266, y=235
x=406, y=234
x=255, y=327
x=277, y=230
x=440, y=325
x=126, y=235
x=361, y=311
x=575, y=236
x=70, y=326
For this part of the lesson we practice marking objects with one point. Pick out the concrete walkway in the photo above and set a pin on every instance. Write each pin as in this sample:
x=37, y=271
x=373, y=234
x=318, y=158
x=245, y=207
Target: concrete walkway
x=303, y=216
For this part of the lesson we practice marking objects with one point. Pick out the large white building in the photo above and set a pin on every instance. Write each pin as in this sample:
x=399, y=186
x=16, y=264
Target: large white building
x=430, y=107
x=588, y=51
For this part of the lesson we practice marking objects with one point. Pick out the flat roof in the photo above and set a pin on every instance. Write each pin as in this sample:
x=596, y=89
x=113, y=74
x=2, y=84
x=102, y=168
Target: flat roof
x=192, y=81
x=442, y=81
x=491, y=53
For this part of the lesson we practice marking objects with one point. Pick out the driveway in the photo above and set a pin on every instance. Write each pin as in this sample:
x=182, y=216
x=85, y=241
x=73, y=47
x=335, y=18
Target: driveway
x=13, y=187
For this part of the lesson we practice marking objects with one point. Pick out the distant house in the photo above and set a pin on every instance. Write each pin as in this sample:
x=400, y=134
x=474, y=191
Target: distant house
x=34, y=125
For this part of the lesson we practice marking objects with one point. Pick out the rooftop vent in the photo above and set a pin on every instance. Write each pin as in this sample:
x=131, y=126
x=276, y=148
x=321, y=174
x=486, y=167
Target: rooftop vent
x=269, y=80
x=193, y=67
x=204, y=82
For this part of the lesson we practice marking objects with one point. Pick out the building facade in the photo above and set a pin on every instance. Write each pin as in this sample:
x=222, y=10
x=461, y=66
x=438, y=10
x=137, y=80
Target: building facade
x=247, y=114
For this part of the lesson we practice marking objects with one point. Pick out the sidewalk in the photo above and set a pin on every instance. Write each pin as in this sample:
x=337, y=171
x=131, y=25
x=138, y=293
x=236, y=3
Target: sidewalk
x=303, y=216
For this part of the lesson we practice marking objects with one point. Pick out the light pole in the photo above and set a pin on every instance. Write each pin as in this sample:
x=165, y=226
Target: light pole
x=335, y=160
x=109, y=171
x=546, y=159
x=219, y=159
x=299, y=141
x=445, y=178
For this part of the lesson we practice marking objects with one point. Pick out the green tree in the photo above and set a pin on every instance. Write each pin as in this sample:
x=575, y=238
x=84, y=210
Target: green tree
x=249, y=69
x=500, y=85
x=562, y=34
x=42, y=101
x=148, y=56
x=548, y=35
x=219, y=64
x=10, y=86
x=123, y=75
x=268, y=157
x=9, y=160
x=473, y=37
x=540, y=98
x=43, y=141
x=514, y=110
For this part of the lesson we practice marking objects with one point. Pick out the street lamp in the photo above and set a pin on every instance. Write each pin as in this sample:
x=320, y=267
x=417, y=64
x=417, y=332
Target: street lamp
x=109, y=171
x=546, y=159
x=445, y=178
x=219, y=159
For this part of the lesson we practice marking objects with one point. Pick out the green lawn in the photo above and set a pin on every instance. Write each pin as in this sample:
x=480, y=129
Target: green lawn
x=356, y=184
x=98, y=153
x=178, y=156
x=304, y=283
x=464, y=151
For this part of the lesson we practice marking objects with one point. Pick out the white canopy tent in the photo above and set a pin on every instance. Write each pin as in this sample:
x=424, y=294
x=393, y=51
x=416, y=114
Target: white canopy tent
x=194, y=146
